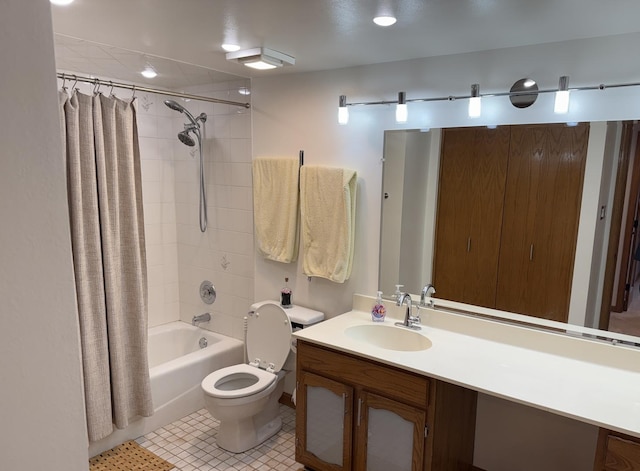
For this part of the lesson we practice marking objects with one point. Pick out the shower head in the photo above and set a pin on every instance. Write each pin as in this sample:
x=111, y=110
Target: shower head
x=185, y=138
x=175, y=106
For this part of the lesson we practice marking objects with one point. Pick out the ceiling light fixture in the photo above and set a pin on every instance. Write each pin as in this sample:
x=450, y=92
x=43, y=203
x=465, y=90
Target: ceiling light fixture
x=261, y=58
x=244, y=91
x=561, y=105
x=230, y=47
x=343, y=111
x=385, y=20
x=62, y=2
x=149, y=72
x=475, y=106
x=402, y=113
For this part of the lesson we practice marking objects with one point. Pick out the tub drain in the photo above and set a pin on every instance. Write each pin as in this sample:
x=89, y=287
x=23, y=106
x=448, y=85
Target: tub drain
x=203, y=342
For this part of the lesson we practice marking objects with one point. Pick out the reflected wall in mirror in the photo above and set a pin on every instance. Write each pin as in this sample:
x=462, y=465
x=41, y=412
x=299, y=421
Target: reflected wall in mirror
x=584, y=258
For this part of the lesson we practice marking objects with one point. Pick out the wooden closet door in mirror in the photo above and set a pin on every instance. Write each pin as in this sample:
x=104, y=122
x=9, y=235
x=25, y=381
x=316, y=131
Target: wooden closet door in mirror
x=473, y=169
x=541, y=214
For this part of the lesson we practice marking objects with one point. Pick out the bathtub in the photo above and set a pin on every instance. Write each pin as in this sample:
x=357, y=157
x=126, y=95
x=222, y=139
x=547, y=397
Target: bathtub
x=177, y=366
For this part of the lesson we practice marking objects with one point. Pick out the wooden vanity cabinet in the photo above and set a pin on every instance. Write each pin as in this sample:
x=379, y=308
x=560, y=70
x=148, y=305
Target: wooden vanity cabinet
x=357, y=414
x=617, y=452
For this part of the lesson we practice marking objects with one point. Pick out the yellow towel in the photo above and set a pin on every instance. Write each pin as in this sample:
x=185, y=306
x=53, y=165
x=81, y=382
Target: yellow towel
x=275, y=208
x=327, y=208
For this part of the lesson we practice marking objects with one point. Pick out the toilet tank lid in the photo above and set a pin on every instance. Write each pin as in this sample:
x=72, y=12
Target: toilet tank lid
x=297, y=314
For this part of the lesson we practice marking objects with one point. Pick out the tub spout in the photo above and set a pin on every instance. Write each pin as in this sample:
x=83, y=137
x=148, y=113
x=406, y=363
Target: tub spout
x=206, y=317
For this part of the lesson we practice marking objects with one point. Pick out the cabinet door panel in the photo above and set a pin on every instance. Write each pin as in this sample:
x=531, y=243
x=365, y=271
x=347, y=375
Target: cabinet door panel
x=390, y=435
x=323, y=423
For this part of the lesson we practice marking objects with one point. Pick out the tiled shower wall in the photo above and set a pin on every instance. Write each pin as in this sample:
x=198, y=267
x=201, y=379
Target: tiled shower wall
x=179, y=255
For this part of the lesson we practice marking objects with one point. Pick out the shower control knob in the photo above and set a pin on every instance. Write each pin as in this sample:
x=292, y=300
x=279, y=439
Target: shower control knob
x=207, y=292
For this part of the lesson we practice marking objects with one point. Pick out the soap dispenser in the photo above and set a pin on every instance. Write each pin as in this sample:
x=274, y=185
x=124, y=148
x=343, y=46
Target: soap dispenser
x=378, y=311
x=398, y=292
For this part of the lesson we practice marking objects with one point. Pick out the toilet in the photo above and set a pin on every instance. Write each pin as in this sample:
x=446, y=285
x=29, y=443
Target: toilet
x=244, y=397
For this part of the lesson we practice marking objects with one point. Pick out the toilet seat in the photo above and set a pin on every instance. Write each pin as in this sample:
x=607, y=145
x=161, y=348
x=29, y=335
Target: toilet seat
x=256, y=379
x=268, y=345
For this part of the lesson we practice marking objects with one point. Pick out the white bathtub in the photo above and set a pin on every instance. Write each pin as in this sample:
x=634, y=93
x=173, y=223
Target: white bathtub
x=177, y=366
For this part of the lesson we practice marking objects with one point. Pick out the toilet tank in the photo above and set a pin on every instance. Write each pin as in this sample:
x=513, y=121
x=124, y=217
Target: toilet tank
x=299, y=316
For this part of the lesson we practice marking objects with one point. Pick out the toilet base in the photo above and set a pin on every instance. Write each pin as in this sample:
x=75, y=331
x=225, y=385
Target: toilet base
x=239, y=435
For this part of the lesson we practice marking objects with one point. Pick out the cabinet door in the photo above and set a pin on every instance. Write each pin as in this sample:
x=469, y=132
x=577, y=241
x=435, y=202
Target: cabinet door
x=324, y=420
x=390, y=436
x=473, y=170
x=541, y=215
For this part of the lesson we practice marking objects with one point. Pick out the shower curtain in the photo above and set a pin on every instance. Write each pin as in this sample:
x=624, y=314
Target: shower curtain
x=107, y=232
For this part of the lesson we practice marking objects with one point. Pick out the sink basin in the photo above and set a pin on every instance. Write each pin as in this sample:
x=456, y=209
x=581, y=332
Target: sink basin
x=389, y=337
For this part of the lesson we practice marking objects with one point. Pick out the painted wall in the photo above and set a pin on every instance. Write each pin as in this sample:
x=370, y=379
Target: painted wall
x=41, y=402
x=299, y=111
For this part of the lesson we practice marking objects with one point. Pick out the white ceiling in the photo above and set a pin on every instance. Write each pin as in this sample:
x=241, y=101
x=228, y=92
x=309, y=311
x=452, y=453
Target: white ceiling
x=327, y=34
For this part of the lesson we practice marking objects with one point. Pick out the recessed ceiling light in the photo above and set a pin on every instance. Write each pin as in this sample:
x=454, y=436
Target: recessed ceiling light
x=384, y=20
x=61, y=2
x=148, y=72
x=231, y=47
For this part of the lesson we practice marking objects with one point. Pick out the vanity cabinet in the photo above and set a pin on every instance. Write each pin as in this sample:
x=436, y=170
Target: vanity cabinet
x=358, y=414
x=507, y=220
x=617, y=452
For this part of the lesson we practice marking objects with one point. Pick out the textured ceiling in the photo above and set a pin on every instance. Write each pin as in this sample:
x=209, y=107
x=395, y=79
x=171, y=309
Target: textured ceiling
x=322, y=34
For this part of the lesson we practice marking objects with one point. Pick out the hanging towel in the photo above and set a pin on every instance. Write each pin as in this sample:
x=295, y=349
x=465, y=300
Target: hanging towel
x=275, y=208
x=327, y=208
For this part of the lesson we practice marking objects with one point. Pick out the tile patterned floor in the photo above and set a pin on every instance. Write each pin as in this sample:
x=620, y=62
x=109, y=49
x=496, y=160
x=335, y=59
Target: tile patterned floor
x=190, y=445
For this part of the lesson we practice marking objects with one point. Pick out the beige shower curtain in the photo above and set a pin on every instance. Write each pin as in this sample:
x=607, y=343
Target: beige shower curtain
x=107, y=231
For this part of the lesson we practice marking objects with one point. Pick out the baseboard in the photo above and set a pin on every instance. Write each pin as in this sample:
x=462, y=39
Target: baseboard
x=286, y=400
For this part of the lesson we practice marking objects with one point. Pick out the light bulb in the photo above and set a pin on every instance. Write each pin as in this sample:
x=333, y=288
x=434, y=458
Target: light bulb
x=475, y=105
x=384, y=20
x=402, y=113
x=343, y=111
x=561, y=105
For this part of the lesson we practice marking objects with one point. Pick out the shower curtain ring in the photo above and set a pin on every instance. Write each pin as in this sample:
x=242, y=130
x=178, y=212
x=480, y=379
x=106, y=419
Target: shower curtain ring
x=73, y=87
x=96, y=86
x=64, y=82
x=111, y=90
x=133, y=95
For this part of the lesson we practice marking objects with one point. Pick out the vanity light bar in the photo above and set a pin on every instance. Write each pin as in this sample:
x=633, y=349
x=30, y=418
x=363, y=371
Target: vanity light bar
x=564, y=80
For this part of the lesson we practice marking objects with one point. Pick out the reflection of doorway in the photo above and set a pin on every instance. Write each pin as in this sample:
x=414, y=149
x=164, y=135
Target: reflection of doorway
x=619, y=312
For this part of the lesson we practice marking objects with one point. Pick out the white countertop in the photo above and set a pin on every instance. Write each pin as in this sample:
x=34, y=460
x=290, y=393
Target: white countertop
x=587, y=380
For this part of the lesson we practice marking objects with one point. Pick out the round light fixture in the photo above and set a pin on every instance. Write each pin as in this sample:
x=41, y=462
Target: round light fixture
x=244, y=91
x=230, y=47
x=62, y=2
x=148, y=72
x=384, y=20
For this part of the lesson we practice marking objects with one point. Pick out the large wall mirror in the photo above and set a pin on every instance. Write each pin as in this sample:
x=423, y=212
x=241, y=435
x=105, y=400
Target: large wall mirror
x=487, y=190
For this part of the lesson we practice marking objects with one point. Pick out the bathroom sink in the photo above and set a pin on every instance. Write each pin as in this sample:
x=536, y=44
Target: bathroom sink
x=389, y=337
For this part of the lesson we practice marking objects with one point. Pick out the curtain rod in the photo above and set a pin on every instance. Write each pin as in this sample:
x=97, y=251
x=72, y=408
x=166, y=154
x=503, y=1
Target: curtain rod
x=111, y=83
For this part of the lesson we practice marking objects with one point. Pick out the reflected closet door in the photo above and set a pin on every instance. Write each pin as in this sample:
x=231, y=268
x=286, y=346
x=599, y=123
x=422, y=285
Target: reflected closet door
x=473, y=169
x=542, y=211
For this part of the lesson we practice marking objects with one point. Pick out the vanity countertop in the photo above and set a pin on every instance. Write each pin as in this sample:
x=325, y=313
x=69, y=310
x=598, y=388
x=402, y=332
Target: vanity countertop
x=584, y=379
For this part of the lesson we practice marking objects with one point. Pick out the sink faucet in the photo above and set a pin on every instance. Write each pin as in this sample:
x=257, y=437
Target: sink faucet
x=410, y=321
x=201, y=318
x=427, y=291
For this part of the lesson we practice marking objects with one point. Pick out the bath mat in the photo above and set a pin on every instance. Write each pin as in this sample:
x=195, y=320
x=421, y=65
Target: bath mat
x=128, y=457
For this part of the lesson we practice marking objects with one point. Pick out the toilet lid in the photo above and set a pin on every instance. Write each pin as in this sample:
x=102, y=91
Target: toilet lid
x=269, y=336
x=255, y=379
